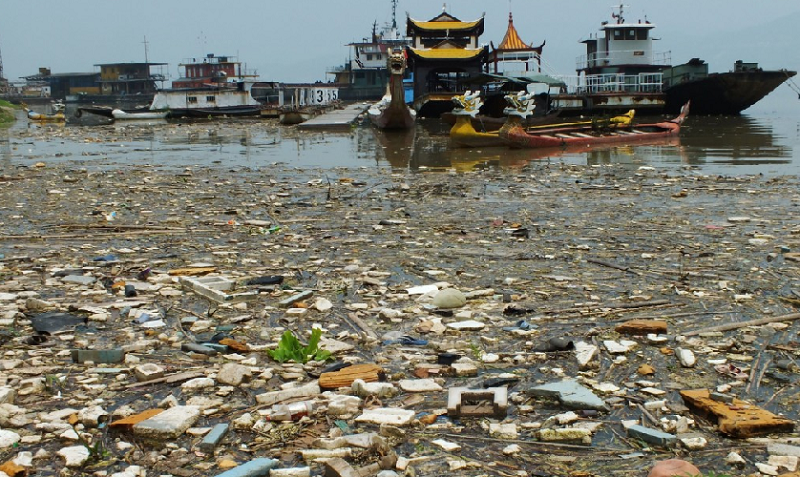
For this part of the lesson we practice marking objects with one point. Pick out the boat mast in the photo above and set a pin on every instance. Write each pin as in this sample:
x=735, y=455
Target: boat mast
x=394, y=14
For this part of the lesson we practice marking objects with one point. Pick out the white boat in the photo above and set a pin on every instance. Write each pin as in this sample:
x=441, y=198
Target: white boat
x=121, y=114
x=221, y=99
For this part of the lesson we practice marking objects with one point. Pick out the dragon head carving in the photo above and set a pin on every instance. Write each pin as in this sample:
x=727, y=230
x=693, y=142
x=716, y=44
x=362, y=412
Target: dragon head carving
x=521, y=104
x=467, y=104
x=396, y=62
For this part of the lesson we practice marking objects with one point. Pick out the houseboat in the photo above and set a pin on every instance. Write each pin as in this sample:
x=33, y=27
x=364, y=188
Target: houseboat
x=125, y=84
x=219, y=99
x=216, y=85
x=365, y=75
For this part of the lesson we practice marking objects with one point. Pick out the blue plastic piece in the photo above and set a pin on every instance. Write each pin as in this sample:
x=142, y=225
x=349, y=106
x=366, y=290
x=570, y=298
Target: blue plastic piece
x=255, y=468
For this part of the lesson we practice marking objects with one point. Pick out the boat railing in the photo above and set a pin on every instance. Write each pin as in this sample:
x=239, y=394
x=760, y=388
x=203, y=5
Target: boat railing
x=623, y=57
x=337, y=69
x=619, y=83
x=613, y=83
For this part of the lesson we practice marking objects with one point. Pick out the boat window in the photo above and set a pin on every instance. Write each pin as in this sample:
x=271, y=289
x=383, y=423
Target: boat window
x=618, y=34
x=641, y=34
x=191, y=99
x=210, y=99
x=631, y=35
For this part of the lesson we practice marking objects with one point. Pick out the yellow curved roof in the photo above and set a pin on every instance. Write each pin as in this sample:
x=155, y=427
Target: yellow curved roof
x=443, y=53
x=446, y=25
x=512, y=41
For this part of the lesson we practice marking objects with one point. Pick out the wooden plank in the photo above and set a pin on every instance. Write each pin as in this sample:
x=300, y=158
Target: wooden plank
x=341, y=118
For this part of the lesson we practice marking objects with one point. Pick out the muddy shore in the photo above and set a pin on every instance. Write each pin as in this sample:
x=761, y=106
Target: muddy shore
x=547, y=251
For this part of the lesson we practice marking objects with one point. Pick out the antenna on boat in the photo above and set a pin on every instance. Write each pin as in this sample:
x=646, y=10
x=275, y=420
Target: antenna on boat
x=394, y=14
x=618, y=16
x=145, y=49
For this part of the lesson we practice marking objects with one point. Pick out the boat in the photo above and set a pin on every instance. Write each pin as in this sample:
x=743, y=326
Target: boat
x=212, y=100
x=463, y=132
x=57, y=116
x=621, y=70
x=727, y=93
x=365, y=76
x=392, y=112
x=294, y=115
x=133, y=115
x=617, y=130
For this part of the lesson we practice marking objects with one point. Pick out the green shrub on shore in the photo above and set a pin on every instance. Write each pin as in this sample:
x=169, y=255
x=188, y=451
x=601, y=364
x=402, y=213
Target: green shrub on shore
x=6, y=113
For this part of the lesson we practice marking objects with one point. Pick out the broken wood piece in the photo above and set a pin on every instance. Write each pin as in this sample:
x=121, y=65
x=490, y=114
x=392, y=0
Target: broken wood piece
x=743, y=324
x=611, y=265
x=338, y=467
x=191, y=271
x=171, y=379
x=642, y=327
x=738, y=418
x=344, y=377
x=128, y=422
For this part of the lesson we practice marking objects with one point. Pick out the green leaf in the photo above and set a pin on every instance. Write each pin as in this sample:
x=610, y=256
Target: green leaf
x=290, y=348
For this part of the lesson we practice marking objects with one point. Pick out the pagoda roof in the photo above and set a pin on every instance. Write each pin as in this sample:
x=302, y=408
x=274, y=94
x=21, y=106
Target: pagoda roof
x=447, y=53
x=444, y=22
x=513, y=42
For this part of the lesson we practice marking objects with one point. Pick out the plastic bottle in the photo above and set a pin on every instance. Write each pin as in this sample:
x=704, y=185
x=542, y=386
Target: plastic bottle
x=291, y=412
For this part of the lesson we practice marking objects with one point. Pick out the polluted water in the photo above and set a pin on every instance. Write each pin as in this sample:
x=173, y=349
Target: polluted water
x=238, y=297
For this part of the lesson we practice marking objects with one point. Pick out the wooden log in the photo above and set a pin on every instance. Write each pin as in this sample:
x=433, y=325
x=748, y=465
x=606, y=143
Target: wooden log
x=344, y=377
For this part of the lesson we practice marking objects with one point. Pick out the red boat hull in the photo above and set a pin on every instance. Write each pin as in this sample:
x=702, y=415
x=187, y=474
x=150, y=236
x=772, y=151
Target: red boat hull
x=587, y=136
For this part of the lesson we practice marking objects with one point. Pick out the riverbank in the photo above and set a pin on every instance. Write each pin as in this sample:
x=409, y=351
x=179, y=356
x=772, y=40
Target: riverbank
x=545, y=263
x=6, y=114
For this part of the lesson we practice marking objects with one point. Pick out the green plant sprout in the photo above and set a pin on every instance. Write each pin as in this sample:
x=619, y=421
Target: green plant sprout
x=290, y=349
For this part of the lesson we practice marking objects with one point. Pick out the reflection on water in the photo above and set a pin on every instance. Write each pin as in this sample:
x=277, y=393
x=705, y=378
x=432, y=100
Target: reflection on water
x=735, y=140
x=726, y=145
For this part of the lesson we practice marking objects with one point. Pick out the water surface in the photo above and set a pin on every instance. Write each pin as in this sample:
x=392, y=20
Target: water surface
x=761, y=142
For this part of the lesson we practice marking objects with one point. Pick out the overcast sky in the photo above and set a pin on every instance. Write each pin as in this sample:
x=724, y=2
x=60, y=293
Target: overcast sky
x=299, y=40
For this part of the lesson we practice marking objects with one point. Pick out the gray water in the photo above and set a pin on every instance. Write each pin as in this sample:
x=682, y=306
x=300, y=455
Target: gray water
x=765, y=141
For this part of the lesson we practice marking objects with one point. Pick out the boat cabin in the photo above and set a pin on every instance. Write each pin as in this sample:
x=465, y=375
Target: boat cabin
x=224, y=96
x=129, y=78
x=197, y=73
x=62, y=85
x=621, y=58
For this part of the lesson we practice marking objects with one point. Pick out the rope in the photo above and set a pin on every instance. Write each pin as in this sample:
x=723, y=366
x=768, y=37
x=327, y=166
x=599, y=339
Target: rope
x=790, y=82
